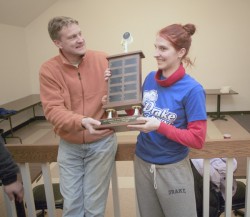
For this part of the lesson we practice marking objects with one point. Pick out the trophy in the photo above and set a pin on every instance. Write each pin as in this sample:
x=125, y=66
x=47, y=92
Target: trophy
x=124, y=88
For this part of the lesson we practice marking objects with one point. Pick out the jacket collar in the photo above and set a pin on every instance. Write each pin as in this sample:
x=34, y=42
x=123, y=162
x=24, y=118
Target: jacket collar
x=176, y=76
x=64, y=60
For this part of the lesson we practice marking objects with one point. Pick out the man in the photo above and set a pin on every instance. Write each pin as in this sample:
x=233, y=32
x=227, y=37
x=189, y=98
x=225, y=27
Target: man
x=8, y=174
x=71, y=88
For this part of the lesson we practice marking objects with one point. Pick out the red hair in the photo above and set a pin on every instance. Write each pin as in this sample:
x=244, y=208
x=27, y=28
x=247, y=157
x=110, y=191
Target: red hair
x=180, y=37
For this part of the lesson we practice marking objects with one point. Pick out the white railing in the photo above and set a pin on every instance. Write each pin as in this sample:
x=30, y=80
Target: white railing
x=46, y=154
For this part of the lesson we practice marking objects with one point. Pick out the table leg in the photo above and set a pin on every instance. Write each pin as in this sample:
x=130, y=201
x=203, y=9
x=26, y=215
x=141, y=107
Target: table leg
x=12, y=132
x=218, y=116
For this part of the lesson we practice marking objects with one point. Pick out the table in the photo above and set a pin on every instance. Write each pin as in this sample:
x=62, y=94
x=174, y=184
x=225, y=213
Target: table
x=20, y=105
x=217, y=92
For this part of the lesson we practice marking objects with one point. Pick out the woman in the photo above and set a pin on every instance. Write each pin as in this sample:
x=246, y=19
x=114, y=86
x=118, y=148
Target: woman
x=174, y=112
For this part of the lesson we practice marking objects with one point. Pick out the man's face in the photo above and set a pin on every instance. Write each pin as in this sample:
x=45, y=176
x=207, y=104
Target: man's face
x=71, y=41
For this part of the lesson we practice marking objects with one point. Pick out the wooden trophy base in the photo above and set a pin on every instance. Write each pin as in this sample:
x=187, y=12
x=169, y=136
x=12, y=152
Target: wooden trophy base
x=119, y=124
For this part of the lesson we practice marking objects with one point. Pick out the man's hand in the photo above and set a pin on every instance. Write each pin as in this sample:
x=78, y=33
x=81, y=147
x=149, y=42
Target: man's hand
x=90, y=123
x=14, y=190
x=151, y=124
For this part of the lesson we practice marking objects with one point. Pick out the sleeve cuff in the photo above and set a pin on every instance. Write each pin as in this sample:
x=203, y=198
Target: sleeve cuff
x=10, y=179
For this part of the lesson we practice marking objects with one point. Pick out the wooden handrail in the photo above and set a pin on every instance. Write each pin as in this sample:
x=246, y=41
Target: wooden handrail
x=40, y=153
x=44, y=153
x=33, y=153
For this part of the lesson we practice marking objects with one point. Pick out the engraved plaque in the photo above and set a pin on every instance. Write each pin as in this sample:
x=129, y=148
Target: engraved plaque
x=124, y=89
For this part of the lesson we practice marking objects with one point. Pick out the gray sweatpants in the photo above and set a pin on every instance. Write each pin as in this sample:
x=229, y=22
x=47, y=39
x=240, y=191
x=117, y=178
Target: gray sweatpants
x=165, y=190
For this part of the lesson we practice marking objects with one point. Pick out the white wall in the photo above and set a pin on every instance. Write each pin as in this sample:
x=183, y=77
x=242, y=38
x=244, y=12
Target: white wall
x=14, y=68
x=219, y=46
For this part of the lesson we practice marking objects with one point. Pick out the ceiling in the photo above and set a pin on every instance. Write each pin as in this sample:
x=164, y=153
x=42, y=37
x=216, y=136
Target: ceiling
x=22, y=12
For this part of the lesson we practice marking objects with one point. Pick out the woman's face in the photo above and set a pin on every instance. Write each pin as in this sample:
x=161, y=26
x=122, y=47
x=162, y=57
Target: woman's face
x=167, y=57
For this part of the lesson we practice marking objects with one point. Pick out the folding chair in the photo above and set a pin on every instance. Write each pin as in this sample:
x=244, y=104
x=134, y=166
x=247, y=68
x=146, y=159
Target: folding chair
x=40, y=198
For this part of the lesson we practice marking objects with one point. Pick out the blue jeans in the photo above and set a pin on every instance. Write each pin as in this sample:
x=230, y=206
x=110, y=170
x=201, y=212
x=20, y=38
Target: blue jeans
x=85, y=172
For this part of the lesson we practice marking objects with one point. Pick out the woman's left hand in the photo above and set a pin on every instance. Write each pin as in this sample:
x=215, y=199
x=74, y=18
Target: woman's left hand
x=104, y=100
x=107, y=74
x=151, y=124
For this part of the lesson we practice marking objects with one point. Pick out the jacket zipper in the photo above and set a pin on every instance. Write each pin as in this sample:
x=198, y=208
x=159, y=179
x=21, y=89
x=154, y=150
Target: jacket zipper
x=79, y=75
x=80, y=78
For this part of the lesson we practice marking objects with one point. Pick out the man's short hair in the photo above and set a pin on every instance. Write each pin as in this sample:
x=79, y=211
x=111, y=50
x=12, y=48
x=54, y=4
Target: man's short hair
x=57, y=23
